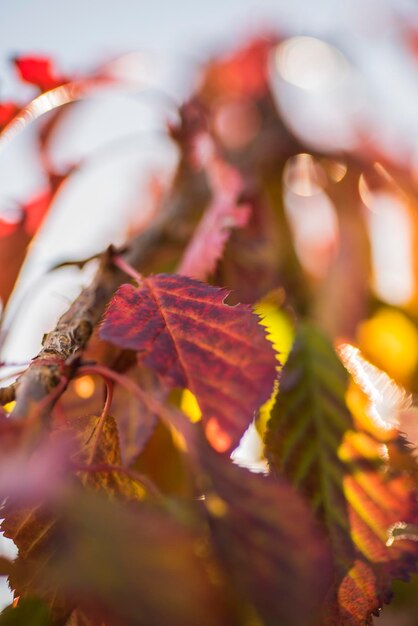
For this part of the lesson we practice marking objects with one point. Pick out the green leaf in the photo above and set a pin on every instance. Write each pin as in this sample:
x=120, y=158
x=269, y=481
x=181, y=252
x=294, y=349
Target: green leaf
x=28, y=612
x=311, y=440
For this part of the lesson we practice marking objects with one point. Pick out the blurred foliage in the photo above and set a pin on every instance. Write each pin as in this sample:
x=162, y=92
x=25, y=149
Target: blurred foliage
x=301, y=347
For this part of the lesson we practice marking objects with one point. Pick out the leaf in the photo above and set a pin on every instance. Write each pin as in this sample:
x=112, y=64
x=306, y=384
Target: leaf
x=28, y=611
x=8, y=110
x=223, y=214
x=105, y=451
x=387, y=401
x=135, y=422
x=310, y=440
x=165, y=462
x=244, y=74
x=35, y=533
x=252, y=258
x=36, y=209
x=16, y=236
x=39, y=71
x=142, y=565
x=79, y=618
x=14, y=241
x=268, y=541
x=385, y=409
x=5, y=566
x=36, y=530
x=185, y=332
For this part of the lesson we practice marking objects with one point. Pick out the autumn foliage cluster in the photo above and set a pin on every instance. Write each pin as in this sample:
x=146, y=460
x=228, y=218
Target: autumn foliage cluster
x=125, y=487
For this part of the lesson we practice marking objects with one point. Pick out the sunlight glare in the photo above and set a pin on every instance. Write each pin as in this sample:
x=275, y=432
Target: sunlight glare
x=386, y=398
x=303, y=176
x=390, y=227
x=309, y=63
x=249, y=452
x=48, y=101
x=314, y=224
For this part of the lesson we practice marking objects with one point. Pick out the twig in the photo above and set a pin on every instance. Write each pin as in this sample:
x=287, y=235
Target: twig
x=57, y=361
x=7, y=394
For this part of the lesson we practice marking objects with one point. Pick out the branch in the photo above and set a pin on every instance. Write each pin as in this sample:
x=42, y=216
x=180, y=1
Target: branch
x=35, y=391
x=7, y=394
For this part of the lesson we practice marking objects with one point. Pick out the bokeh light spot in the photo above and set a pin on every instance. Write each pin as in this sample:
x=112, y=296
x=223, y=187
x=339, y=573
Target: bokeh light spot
x=309, y=63
x=84, y=386
x=217, y=437
x=390, y=340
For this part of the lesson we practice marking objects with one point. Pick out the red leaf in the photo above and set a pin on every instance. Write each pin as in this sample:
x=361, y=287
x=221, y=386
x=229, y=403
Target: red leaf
x=39, y=71
x=136, y=423
x=243, y=74
x=11, y=221
x=35, y=210
x=223, y=213
x=13, y=245
x=267, y=540
x=15, y=236
x=192, y=339
x=142, y=565
x=7, y=112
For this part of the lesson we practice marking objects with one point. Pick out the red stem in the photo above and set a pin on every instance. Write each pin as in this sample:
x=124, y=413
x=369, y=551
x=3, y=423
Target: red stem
x=128, y=269
x=170, y=415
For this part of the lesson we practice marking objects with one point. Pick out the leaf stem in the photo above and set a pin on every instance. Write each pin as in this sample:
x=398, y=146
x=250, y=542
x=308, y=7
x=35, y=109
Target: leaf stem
x=102, y=419
x=128, y=269
x=170, y=415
